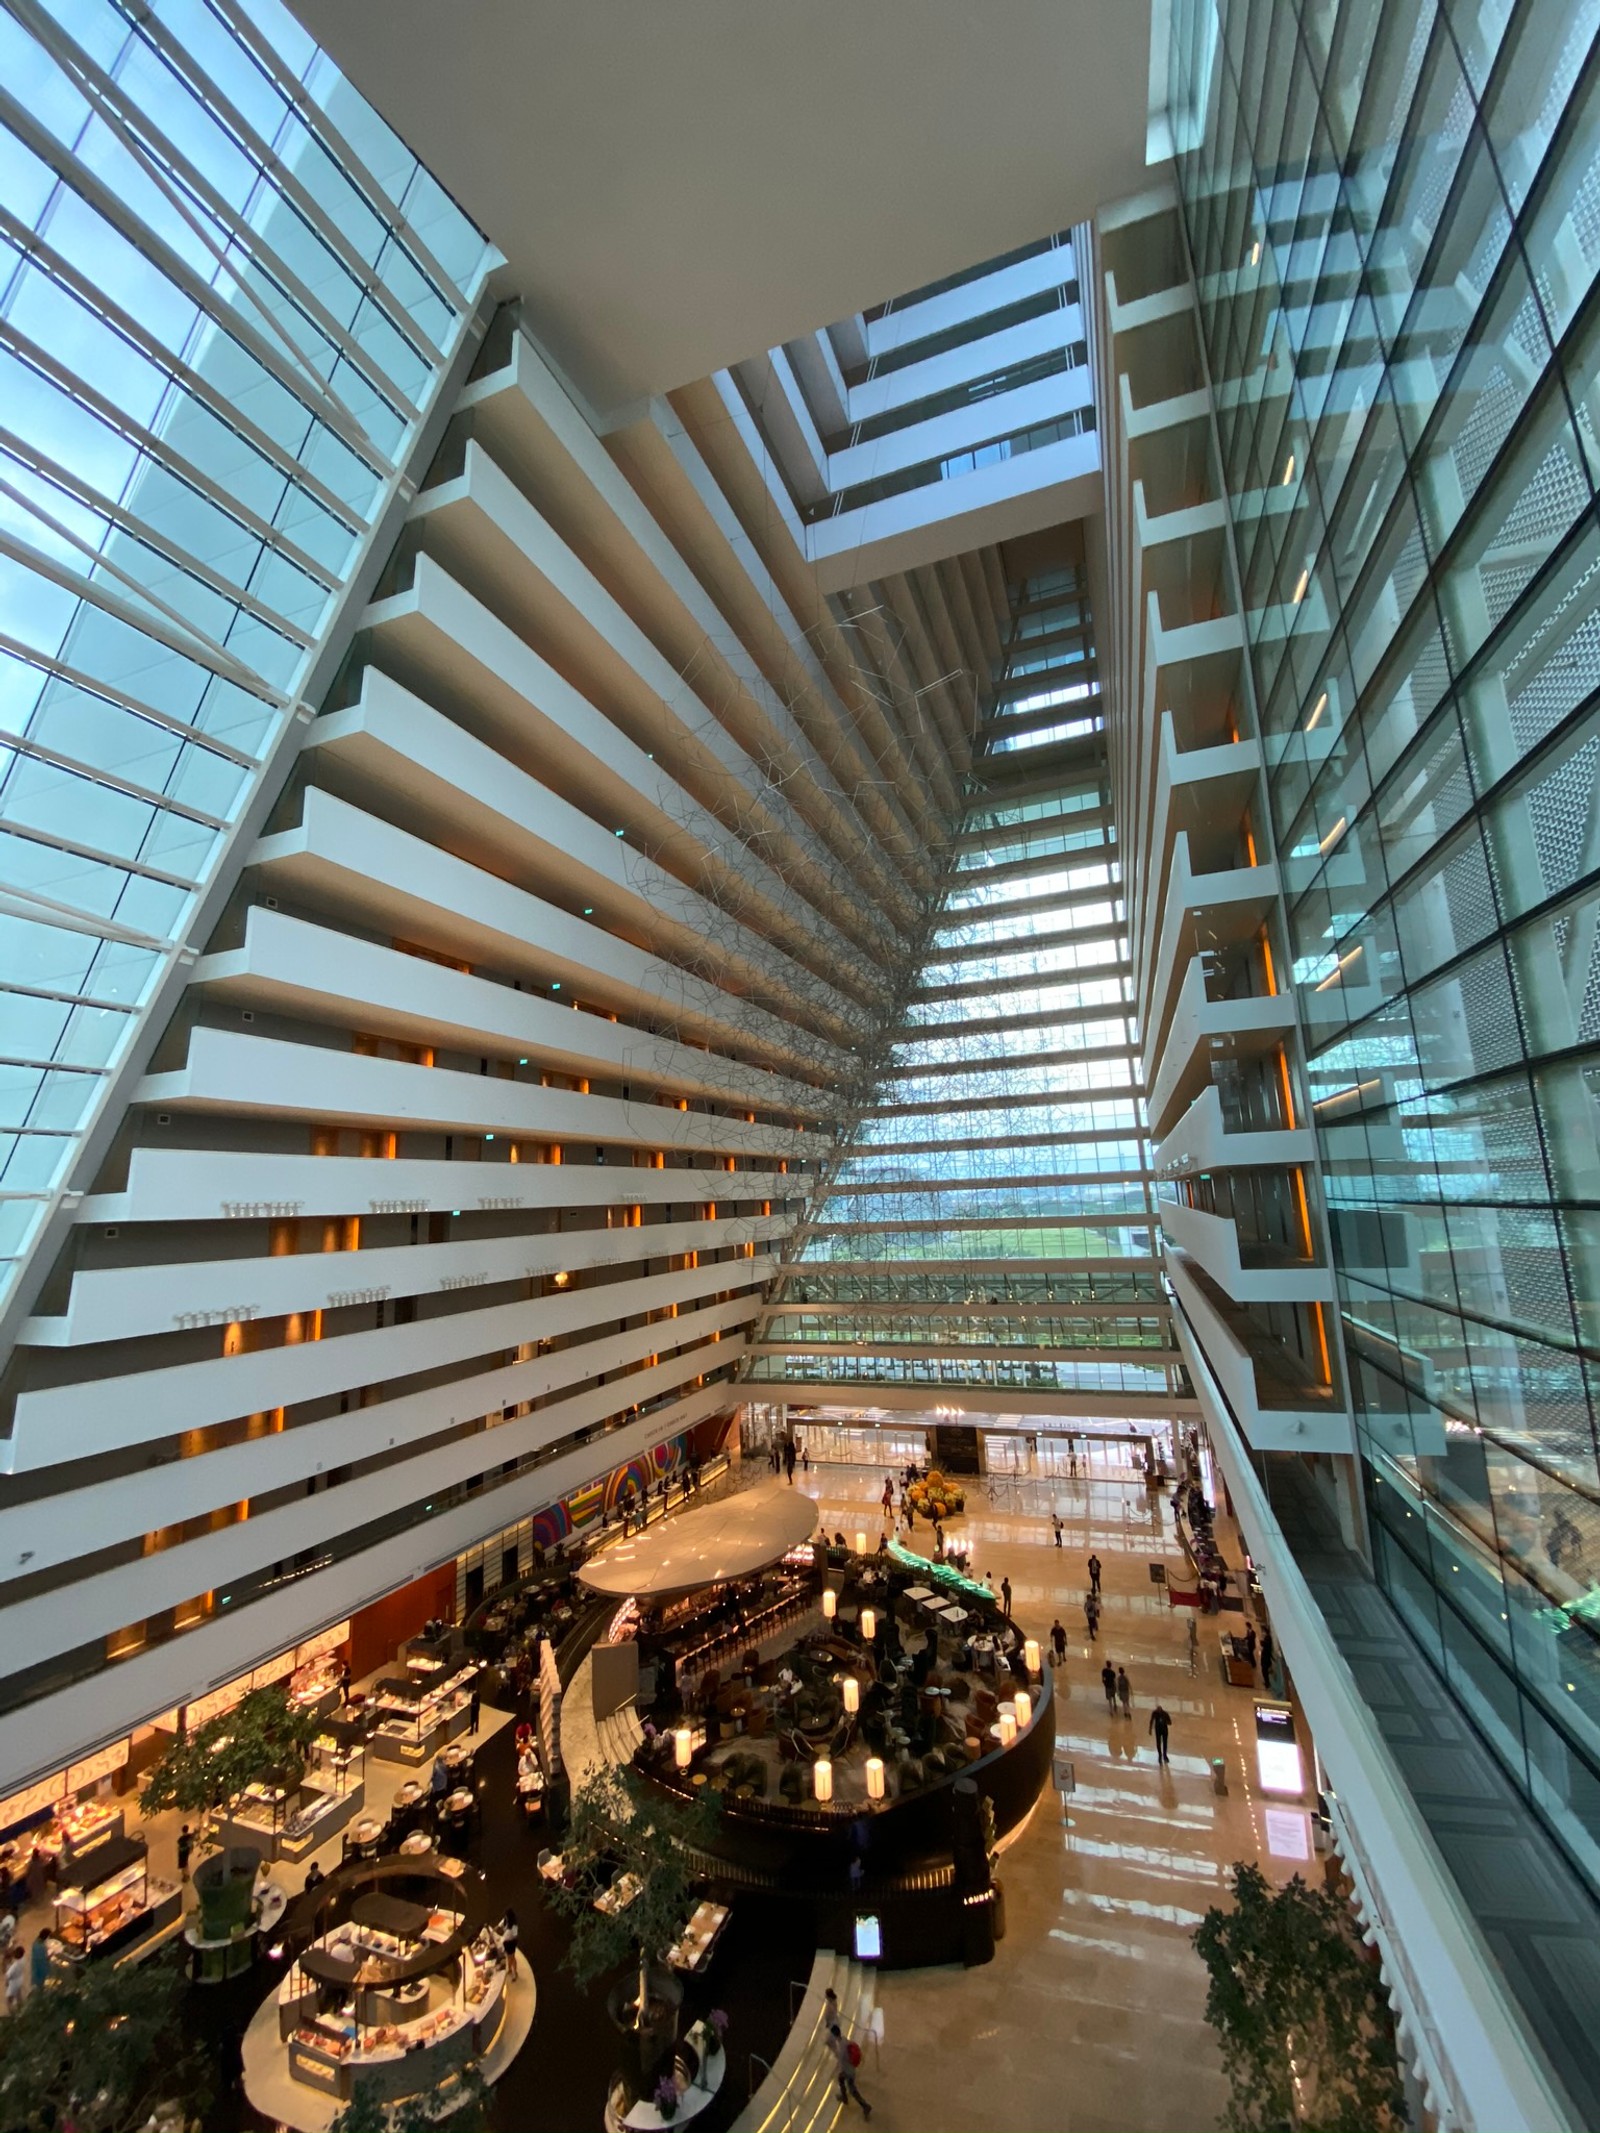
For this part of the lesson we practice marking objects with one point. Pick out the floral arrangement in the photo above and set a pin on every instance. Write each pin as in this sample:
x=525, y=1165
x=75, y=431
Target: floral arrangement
x=936, y=1496
x=666, y=2098
x=717, y=2025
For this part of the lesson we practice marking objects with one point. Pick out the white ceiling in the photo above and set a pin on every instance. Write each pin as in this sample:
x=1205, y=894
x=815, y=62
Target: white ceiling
x=681, y=183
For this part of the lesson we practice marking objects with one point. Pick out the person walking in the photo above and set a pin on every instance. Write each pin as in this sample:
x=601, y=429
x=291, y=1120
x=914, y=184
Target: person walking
x=39, y=1961
x=1091, y=1614
x=1108, y=1681
x=1072, y=1463
x=474, y=1710
x=1160, y=1725
x=788, y=1461
x=846, y=2058
x=16, y=1976
x=1095, y=1567
x=888, y=1495
x=805, y=1459
x=1268, y=1654
x=1124, y=1692
x=1055, y=1521
x=1005, y=1598
x=185, y=1850
x=1058, y=1641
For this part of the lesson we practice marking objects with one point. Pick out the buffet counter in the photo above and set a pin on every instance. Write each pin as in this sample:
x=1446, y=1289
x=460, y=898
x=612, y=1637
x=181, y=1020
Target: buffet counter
x=409, y=2033
x=413, y=1721
x=110, y=1902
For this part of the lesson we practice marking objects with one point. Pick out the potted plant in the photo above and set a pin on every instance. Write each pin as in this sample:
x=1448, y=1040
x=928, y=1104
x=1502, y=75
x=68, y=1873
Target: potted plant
x=1299, y=2010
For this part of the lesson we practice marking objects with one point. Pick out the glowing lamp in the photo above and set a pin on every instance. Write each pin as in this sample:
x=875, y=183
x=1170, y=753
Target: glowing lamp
x=683, y=1746
x=874, y=1777
x=822, y=1778
x=852, y=1693
x=1008, y=1728
x=1024, y=1709
x=1030, y=1656
x=861, y=1543
x=830, y=1603
x=869, y=1624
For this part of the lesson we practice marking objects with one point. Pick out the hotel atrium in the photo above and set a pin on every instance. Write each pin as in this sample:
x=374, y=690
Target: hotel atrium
x=842, y=768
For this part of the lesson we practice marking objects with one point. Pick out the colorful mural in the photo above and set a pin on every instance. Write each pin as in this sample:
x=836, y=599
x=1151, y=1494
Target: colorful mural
x=634, y=1478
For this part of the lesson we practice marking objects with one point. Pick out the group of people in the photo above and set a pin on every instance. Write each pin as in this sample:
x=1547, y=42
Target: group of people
x=23, y=1966
x=1119, y=1690
x=635, y=1508
x=1091, y=1598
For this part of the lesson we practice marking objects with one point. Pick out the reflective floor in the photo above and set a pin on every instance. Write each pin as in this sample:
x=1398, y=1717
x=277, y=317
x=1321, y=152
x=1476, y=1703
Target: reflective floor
x=1091, y=2016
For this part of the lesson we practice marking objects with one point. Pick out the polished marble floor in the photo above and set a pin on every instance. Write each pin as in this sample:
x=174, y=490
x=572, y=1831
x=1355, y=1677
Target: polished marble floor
x=1091, y=2017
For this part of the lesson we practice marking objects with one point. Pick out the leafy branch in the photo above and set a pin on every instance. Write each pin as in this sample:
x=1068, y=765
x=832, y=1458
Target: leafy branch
x=1306, y=2034
x=99, y=2048
x=263, y=1737
x=620, y=1823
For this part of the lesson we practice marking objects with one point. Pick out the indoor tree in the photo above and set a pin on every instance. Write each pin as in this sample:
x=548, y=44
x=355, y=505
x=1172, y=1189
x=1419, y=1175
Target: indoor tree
x=621, y=1823
x=99, y=2047
x=263, y=1736
x=1306, y=2034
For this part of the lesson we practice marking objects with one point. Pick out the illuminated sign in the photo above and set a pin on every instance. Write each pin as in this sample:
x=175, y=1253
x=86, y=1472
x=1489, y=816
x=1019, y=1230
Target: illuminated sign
x=1278, y=1765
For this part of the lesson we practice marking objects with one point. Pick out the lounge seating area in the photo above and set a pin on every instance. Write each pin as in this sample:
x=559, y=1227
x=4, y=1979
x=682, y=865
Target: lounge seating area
x=919, y=1700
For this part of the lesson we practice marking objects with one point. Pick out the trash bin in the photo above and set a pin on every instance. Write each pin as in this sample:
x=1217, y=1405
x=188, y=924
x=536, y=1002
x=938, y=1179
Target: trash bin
x=1219, y=1774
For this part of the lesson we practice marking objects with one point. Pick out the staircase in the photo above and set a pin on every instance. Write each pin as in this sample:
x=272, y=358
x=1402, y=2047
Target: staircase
x=801, y=2095
x=618, y=1735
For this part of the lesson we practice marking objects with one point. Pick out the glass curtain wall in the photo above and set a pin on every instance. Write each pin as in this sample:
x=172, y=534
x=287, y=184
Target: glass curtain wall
x=227, y=293
x=990, y=1228
x=1394, y=217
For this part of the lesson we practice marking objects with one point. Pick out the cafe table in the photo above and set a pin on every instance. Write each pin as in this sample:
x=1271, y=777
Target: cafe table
x=692, y=1951
x=620, y=1894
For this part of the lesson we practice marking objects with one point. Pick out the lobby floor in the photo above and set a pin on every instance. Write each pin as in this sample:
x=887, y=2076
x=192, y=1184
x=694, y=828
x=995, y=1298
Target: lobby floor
x=1090, y=2019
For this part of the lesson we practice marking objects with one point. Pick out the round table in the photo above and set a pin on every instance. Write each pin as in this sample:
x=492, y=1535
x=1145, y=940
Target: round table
x=408, y=1794
x=459, y=1801
x=418, y=1842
